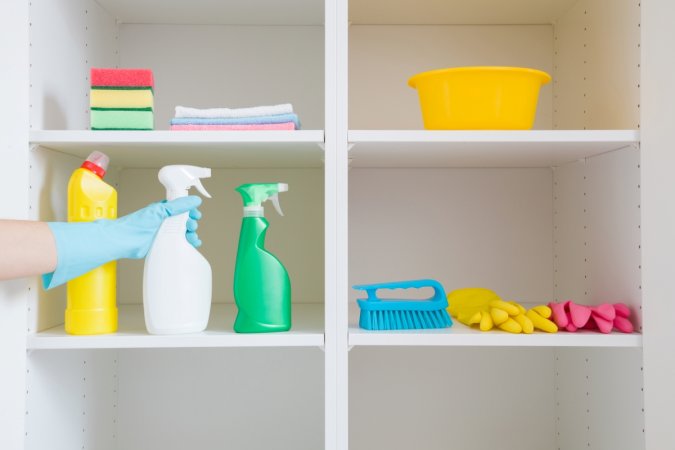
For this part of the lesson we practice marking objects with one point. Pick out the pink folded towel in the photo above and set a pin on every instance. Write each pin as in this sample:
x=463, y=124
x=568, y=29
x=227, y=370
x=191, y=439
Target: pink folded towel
x=250, y=127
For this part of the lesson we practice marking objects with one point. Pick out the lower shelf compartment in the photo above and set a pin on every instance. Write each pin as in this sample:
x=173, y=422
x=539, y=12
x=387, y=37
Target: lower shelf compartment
x=461, y=335
x=307, y=331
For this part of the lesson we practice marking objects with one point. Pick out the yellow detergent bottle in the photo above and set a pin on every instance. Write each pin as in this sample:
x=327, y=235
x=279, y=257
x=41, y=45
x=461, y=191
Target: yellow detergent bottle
x=91, y=307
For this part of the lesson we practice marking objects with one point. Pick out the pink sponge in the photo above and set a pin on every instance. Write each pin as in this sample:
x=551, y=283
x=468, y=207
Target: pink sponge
x=122, y=77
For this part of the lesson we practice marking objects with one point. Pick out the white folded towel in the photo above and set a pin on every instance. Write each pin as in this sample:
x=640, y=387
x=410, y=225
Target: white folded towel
x=233, y=113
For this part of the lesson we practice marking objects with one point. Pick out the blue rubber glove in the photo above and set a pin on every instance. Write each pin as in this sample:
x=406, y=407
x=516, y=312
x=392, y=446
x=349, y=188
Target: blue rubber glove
x=83, y=246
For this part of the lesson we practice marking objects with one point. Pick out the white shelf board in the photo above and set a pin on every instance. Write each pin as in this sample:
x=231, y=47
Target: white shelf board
x=536, y=148
x=150, y=149
x=457, y=12
x=460, y=335
x=307, y=331
x=216, y=12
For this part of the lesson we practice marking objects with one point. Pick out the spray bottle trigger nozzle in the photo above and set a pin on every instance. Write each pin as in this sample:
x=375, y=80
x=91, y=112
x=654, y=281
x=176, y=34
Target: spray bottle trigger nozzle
x=200, y=187
x=275, y=202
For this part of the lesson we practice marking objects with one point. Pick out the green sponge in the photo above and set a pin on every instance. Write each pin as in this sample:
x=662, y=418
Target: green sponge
x=120, y=119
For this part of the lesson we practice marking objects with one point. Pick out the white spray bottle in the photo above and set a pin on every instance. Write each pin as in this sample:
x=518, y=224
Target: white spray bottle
x=177, y=278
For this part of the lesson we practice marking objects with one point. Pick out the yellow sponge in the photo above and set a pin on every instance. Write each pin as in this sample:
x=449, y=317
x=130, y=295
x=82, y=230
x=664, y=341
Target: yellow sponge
x=121, y=98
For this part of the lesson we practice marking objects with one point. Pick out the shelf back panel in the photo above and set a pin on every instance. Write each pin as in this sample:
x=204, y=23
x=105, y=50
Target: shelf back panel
x=451, y=398
x=230, y=67
x=487, y=228
x=297, y=238
x=383, y=57
x=211, y=399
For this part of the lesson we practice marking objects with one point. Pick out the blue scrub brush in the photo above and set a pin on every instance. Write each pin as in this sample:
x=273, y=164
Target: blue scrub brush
x=396, y=314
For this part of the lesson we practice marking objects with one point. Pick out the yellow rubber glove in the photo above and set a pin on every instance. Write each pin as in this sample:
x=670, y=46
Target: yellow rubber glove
x=470, y=306
x=483, y=307
x=535, y=318
x=525, y=323
x=540, y=315
x=507, y=314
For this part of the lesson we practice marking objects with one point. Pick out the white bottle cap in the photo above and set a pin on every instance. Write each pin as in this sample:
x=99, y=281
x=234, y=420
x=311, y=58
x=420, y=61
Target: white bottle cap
x=100, y=159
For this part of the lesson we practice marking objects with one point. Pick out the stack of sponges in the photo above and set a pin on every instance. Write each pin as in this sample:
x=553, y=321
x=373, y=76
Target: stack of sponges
x=274, y=117
x=122, y=99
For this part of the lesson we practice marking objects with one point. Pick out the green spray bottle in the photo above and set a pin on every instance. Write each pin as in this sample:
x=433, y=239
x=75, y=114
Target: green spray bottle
x=262, y=289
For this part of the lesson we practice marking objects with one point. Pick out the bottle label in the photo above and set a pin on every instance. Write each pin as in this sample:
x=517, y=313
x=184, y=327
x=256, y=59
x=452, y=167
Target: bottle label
x=175, y=225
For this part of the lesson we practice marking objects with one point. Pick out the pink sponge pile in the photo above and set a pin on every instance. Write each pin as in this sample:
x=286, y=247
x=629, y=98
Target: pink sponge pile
x=121, y=78
x=604, y=318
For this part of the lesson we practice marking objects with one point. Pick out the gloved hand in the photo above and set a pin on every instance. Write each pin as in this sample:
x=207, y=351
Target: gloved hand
x=83, y=246
x=483, y=307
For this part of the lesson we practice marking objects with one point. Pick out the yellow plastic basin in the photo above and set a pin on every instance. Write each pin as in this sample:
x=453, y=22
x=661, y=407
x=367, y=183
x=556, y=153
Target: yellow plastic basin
x=479, y=98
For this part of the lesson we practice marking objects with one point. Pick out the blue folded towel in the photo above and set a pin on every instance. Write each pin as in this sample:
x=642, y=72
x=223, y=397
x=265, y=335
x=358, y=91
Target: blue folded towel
x=280, y=118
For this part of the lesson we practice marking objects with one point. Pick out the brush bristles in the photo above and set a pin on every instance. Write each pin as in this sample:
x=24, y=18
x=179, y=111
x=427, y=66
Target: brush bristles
x=404, y=320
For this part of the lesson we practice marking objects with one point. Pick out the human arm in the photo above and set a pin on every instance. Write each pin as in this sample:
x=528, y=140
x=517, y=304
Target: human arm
x=83, y=246
x=63, y=251
x=26, y=248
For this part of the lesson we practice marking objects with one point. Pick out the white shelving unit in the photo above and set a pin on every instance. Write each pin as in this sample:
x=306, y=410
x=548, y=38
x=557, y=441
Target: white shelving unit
x=462, y=336
x=577, y=208
x=459, y=335
x=222, y=50
x=301, y=148
x=539, y=148
x=552, y=213
x=307, y=332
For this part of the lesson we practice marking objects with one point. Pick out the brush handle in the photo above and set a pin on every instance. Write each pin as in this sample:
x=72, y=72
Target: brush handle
x=371, y=289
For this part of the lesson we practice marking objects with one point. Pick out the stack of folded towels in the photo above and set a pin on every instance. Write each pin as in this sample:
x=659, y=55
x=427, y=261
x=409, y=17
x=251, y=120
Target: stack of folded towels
x=274, y=117
x=121, y=99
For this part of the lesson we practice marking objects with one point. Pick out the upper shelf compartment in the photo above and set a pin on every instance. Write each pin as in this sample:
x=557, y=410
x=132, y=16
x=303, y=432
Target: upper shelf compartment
x=231, y=149
x=457, y=12
x=203, y=54
x=593, y=56
x=216, y=12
